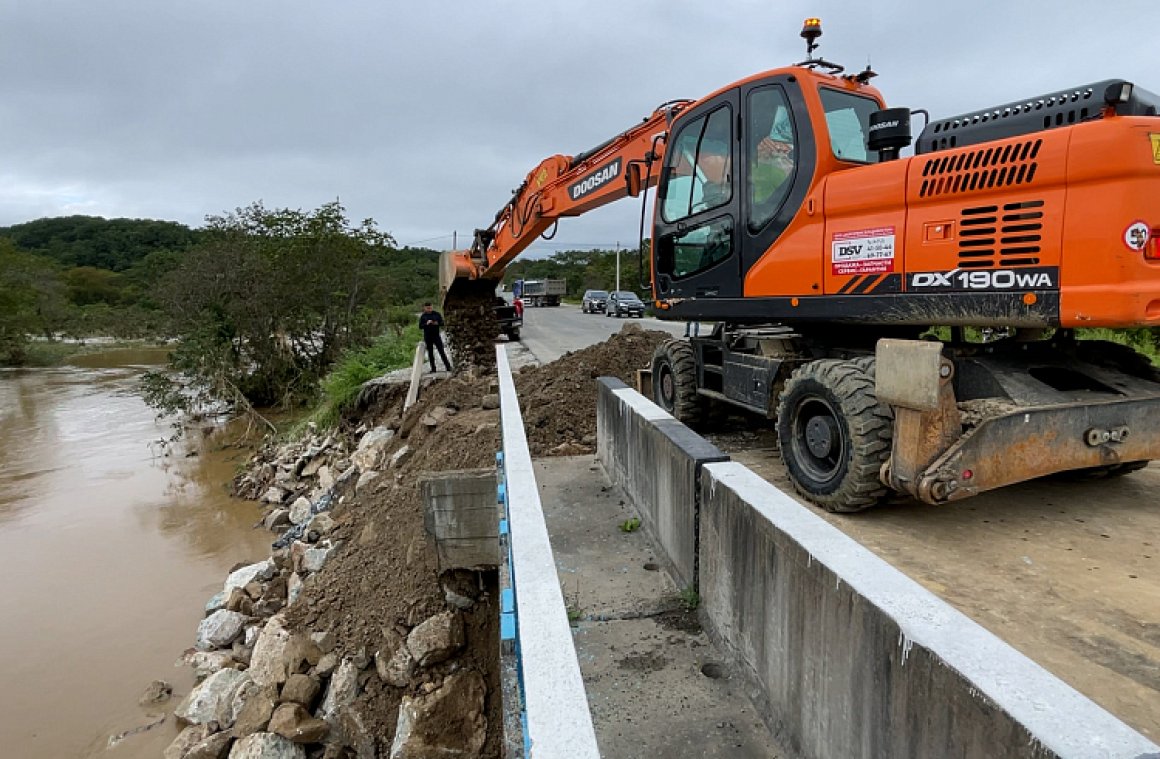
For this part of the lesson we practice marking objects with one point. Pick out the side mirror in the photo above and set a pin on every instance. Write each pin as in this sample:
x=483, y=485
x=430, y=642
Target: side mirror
x=633, y=180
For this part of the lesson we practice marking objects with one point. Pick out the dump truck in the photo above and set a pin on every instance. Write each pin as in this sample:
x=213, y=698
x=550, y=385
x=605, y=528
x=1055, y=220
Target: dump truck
x=543, y=292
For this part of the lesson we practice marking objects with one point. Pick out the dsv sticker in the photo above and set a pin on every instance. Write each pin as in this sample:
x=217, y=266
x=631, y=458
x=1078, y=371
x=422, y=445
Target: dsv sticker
x=1136, y=236
x=1030, y=278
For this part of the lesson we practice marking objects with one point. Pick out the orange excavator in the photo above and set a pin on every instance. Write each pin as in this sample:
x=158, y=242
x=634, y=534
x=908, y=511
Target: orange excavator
x=909, y=322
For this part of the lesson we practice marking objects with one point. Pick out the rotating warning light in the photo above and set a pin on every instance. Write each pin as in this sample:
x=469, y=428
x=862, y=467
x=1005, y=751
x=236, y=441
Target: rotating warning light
x=811, y=30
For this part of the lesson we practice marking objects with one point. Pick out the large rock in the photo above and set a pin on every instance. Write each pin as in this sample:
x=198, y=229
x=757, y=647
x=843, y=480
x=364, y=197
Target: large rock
x=259, y=572
x=400, y=456
x=342, y=690
x=292, y=721
x=218, y=601
x=313, y=559
x=278, y=653
x=254, y=711
x=274, y=495
x=448, y=722
x=437, y=639
x=158, y=692
x=322, y=523
x=186, y=740
x=365, y=480
x=205, y=663
x=395, y=669
x=300, y=511
x=300, y=689
x=349, y=728
x=276, y=519
x=266, y=746
x=212, y=701
x=215, y=746
x=293, y=588
x=371, y=447
x=219, y=629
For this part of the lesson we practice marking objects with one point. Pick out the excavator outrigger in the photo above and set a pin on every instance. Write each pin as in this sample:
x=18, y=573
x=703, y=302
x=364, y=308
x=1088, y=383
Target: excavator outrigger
x=786, y=215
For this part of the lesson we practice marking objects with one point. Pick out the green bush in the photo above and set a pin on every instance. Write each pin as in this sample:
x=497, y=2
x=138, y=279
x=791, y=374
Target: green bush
x=340, y=387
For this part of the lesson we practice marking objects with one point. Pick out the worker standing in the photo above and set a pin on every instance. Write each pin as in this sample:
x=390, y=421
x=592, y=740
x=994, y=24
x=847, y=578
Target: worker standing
x=431, y=322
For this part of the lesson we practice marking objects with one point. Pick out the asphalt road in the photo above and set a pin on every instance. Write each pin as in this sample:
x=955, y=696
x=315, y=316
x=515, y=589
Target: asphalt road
x=550, y=332
x=1067, y=572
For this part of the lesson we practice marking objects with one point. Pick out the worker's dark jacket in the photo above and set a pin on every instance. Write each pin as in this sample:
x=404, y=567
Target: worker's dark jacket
x=430, y=324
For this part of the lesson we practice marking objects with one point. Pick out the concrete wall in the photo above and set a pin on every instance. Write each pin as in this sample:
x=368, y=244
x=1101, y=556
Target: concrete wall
x=558, y=723
x=851, y=657
x=657, y=460
x=460, y=512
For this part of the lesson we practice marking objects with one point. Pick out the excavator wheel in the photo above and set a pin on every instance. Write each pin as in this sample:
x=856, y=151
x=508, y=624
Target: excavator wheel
x=834, y=435
x=674, y=380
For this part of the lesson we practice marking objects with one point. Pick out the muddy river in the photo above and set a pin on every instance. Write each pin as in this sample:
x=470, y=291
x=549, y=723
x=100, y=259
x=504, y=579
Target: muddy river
x=109, y=549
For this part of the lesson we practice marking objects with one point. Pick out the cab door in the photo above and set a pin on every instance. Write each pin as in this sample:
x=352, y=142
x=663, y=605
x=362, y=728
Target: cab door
x=696, y=232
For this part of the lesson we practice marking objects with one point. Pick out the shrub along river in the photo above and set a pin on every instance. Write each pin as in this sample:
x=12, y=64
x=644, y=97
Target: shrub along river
x=110, y=549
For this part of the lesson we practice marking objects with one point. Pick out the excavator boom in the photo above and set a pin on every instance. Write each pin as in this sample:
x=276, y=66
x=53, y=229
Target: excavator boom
x=559, y=186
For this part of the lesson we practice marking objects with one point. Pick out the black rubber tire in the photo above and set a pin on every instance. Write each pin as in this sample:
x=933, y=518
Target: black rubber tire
x=674, y=381
x=513, y=335
x=835, y=398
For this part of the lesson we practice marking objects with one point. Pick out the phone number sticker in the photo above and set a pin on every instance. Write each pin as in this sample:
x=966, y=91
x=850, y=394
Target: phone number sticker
x=865, y=251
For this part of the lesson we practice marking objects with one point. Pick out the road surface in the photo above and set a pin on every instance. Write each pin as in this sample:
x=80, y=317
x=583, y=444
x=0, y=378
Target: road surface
x=1067, y=572
x=550, y=332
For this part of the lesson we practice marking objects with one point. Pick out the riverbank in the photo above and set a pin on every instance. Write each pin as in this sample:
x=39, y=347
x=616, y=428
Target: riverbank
x=40, y=354
x=350, y=637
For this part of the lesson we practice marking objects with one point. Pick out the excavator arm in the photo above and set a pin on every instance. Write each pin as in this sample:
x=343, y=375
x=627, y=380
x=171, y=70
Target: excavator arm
x=559, y=186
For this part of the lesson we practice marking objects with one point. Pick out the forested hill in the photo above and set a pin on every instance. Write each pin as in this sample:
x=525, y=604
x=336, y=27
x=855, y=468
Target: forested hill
x=111, y=244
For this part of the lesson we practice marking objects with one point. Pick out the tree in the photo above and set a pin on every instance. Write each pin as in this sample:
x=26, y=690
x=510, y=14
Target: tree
x=270, y=299
x=32, y=301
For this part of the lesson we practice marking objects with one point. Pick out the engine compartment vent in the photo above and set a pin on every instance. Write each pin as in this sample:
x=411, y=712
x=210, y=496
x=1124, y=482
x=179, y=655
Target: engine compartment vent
x=982, y=169
x=1006, y=236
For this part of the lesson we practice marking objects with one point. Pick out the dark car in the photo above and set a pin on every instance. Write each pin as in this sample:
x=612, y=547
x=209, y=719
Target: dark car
x=622, y=303
x=594, y=300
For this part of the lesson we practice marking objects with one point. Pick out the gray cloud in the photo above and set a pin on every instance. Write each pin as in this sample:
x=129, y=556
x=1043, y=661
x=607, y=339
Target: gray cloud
x=426, y=115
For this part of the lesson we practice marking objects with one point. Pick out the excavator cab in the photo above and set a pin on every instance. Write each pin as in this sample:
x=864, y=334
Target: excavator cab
x=737, y=175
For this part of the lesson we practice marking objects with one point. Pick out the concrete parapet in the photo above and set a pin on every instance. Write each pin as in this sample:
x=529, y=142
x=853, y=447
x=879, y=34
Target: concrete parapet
x=857, y=660
x=558, y=721
x=657, y=460
x=460, y=512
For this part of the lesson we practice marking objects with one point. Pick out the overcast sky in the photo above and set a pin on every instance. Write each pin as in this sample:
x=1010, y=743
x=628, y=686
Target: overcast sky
x=424, y=115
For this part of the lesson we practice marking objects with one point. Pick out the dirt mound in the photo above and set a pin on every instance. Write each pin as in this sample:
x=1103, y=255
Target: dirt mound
x=385, y=580
x=558, y=400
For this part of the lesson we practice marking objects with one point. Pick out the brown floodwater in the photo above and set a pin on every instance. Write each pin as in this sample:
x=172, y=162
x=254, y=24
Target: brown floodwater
x=109, y=549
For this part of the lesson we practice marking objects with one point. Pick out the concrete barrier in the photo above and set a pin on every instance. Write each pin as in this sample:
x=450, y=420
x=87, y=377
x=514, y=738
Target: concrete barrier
x=858, y=660
x=460, y=513
x=558, y=723
x=657, y=460
x=850, y=657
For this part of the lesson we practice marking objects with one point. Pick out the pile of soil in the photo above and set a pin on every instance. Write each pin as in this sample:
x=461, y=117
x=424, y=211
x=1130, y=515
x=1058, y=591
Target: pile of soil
x=558, y=400
x=385, y=579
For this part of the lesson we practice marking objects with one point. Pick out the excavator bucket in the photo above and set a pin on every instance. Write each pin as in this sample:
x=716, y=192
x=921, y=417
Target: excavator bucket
x=459, y=280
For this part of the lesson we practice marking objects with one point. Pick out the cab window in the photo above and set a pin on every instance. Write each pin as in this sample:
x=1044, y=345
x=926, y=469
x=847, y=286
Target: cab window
x=770, y=152
x=699, y=248
x=848, y=120
x=700, y=167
